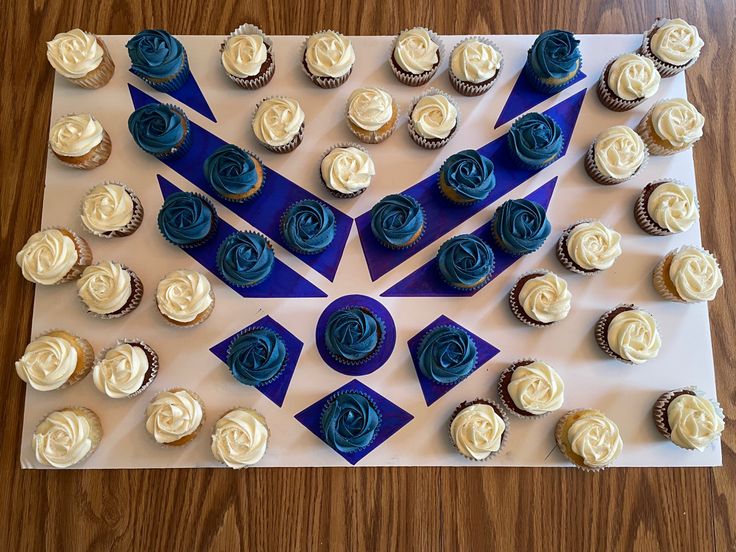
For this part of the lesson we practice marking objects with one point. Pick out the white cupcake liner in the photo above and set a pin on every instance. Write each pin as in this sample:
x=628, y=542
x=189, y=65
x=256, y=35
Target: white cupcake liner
x=656, y=145
x=409, y=79
x=641, y=211
x=136, y=295
x=595, y=173
x=254, y=82
x=562, y=443
x=185, y=439
x=501, y=413
x=135, y=220
x=100, y=75
x=284, y=148
x=432, y=143
x=564, y=256
x=469, y=88
x=516, y=307
x=95, y=429
x=659, y=410
x=661, y=278
x=335, y=193
x=93, y=158
x=151, y=355
x=503, y=392
x=608, y=98
x=374, y=136
x=665, y=69
x=322, y=82
x=251, y=411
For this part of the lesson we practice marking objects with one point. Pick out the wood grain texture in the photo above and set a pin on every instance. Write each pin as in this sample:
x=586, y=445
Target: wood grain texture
x=348, y=509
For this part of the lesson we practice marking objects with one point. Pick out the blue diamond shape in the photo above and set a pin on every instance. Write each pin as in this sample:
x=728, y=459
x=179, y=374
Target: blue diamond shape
x=190, y=94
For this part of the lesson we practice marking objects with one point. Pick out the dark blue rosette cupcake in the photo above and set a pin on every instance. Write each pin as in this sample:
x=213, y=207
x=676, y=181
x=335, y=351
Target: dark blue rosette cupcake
x=553, y=61
x=447, y=354
x=398, y=221
x=159, y=59
x=354, y=335
x=535, y=140
x=308, y=227
x=235, y=174
x=161, y=130
x=520, y=226
x=350, y=421
x=187, y=219
x=467, y=177
x=245, y=259
x=466, y=262
x=257, y=356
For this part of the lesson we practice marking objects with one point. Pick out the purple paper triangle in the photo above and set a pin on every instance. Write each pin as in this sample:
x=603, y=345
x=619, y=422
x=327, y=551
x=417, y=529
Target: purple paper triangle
x=190, y=94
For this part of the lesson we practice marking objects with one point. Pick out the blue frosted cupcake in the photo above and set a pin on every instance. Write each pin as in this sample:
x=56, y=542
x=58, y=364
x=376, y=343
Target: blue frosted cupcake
x=234, y=174
x=465, y=262
x=553, y=60
x=467, y=177
x=397, y=221
x=187, y=219
x=256, y=356
x=245, y=259
x=535, y=140
x=447, y=354
x=159, y=59
x=354, y=335
x=161, y=130
x=308, y=227
x=520, y=226
x=350, y=421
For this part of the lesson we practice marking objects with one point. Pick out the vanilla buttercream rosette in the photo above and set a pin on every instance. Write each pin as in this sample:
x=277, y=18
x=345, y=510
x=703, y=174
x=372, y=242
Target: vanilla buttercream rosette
x=53, y=256
x=478, y=429
x=349, y=182
x=66, y=437
x=292, y=129
x=315, y=59
x=257, y=79
x=493, y=68
x=111, y=209
x=634, y=71
x=417, y=79
x=79, y=141
x=676, y=208
x=674, y=39
x=372, y=124
x=120, y=371
x=81, y=57
x=437, y=119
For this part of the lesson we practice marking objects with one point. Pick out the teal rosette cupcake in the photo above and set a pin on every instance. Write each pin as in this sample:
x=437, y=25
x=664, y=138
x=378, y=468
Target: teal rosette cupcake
x=308, y=227
x=159, y=59
x=245, y=259
x=466, y=262
x=520, y=226
x=553, y=60
x=397, y=221
x=257, y=356
x=187, y=219
x=161, y=130
x=354, y=335
x=447, y=354
x=467, y=177
x=535, y=140
x=350, y=421
x=235, y=174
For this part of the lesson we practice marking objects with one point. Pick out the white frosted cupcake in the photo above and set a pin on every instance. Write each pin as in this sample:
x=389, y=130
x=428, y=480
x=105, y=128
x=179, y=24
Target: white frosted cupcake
x=531, y=388
x=240, y=438
x=328, y=58
x=688, y=274
x=666, y=207
x=629, y=334
x=66, y=437
x=278, y=124
x=588, y=247
x=55, y=360
x=433, y=119
x=53, y=256
x=126, y=369
x=372, y=114
x=479, y=429
x=475, y=64
x=671, y=126
x=185, y=298
x=247, y=57
x=109, y=290
x=616, y=155
x=673, y=45
x=589, y=439
x=79, y=141
x=346, y=170
x=80, y=57
x=174, y=417
x=688, y=419
x=111, y=210
x=627, y=81
x=540, y=298
x=415, y=56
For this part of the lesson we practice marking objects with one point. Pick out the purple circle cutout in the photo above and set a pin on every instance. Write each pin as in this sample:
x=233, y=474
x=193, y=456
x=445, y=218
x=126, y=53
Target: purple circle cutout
x=389, y=340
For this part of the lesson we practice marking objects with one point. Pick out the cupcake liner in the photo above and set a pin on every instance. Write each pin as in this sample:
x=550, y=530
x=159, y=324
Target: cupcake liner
x=210, y=234
x=136, y=294
x=661, y=277
x=290, y=246
x=182, y=147
x=253, y=195
x=564, y=257
x=284, y=148
x=199, y=319
x=426, y=334
x=80, y=345
x=100, y=75
x=655, y=144
x=641, y=211
x=497, y=409
x=659, y=410
x=601, y=330
x=470, y=88
x=232, y=282
x=665, y=69
x=497, y=241
x=186, y=438
x=414, y=240
x=277, y=375
x=151, y=355
x=251, y=411
x=502, y=387
x=322, y=82
x=374, y=136
x=84, y=254
x=432, y=143
x=171, y=83
x=515, y=304
x=335, y=193
x=609, y=99
x=329, y=401
x=529, y=166
x=135, y=220
x=562, y=443
x=256, y=81
x=95, y=429
x=544, y=87
x=93, y=158
x=376, y=349
x=594, y=172
x=410, y=79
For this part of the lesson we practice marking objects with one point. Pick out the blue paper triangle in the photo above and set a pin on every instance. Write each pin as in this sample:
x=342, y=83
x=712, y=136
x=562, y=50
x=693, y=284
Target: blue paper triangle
x=191, y=95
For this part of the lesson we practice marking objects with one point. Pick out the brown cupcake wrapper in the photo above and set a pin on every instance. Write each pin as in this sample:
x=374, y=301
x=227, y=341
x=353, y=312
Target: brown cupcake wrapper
x=594, y=172
x=136, y=295
x=259, y=81
x=432, y=143
x=323, y=82
x=609, y=99
x=253, y=412
x=562, y=443
x=94, y=158
x=516, y=307
x=335, y=193
x=503, y=394
x=84, y=254
x=135, y=220
x=664, y=69
x=471, y=89
x=80, y=343
x=100, y=75
x=374, y=136
x=151, y=355
x=641, y=210
x=95, y=429
x=410, y=79
x=501, y=413
x=656, y=145
x=564, y=257
x=199, y=319
x=186, y=438
x=285, y=148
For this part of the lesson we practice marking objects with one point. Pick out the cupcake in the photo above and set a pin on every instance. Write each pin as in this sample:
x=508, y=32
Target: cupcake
x=478, y=429
x=588, y=247
x=234, y=174
x=588, y=439
x=540, y=298
x=111, y=210
x=308, y=227
x=79, y=141
x=629, y=334
x=372, y=114
x=474, y=66
x=688, y=419
x=346, y=170
x=187, y=219
x=66, y=437
x=53, y=256
x=278, y=124
x=247, y=57
x=415, y=56
x=553, y=61
x=520, y=226
x=627, y=81
x=354, y=335
x=185, y=298
x=666, y=207
x=126, y=369
x=54, y=360
x=531, y=388
x=159, y=59
x=447, y=354
x=162, y=130
x=174, y=417
x=671, y=126
x=328, y=58
x=245, y=259
x=240, y=438
x=397, y=221
x=433, y=119
x=81, y=58
x=466, y=177
x=109, y=290
x=465, y=262
x=616, y=155
x=257, y=356
x=350, y=421
x=688, y=274
x=535, y=140
x=673, y=45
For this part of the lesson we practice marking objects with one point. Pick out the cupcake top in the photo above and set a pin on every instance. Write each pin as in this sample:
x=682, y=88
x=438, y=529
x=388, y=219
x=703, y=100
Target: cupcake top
x=308, y=226
x=633, y=335
x=277, y=121
x=158, y=128
x=619, y=152
x=555, y=54
x=695, y=274
x=521, y=225
x=593, y=245
x=545, y=298
x=469, y=174
x=245, y=258
x=678, y=122
x=415, y=52
x=74, y=54
x=47, y=363
x=397, y=220
x=172, y=415
x=104, y=287
x=347, y=170
x=350, y=421
x=465, y=261
x=673, y=206
x=477, y=431
x=475, y=61
x=256, y=357
x=535, y=138
x=121, y=371
x=596, y=439
x=370, y=108
x=183, y=295
x=63, y=438
x=434, y=116
x=329, y=54
x=185, y=218
x=676, y=42
x=155, y=54
x=75, y=135
x=632, y=77
x=231, y=170
x=108, y=207
x=447, y=354
x=47, y=257
x=243, y=55
x=694, y=421
x=353, y=333
x=240, y=438
x=536, y=388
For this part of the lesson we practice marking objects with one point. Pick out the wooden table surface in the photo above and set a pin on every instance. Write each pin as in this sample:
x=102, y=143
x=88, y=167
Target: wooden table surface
x=369, y=508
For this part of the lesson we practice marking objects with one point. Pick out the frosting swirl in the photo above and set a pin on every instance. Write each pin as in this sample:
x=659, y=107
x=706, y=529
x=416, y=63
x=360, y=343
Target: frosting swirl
x=47, y=363
x=545, y=298
x=240, y=438
x=347, y=170
x=447, y=354
x=370, y=108
x=352, y=333
x=277, y=121
x=535, y=139
x=465, y=261
x=633, y=336
x=434, y=116
x=694, y=422
x=155, y=54
x=74, y=54
x=475, y=61
x=308, y=226
x=555, y=55
x=596, y=439
x=106, y=208
x=632, y=77
x=329, y=54
x=676, y=42
x=62, y=439
x=122, y=370
x=521, y=226
x=183, y=295
x=415, y=52
x=104, y=287
x=185, y=218
x=695, y=274
x=158, y=128
x=244, y=55
x=397, y=220
x=469, y=174
x=673, y=207
x=477, y=431
x=619, y=152
x=47, y=257
x=256, y=357
x=350, y=421
x=245, y=258
x=173, y=415
x=231, y=170
x=678, y=122
x=593, y=246
x=75, y=135
x=536, y=388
